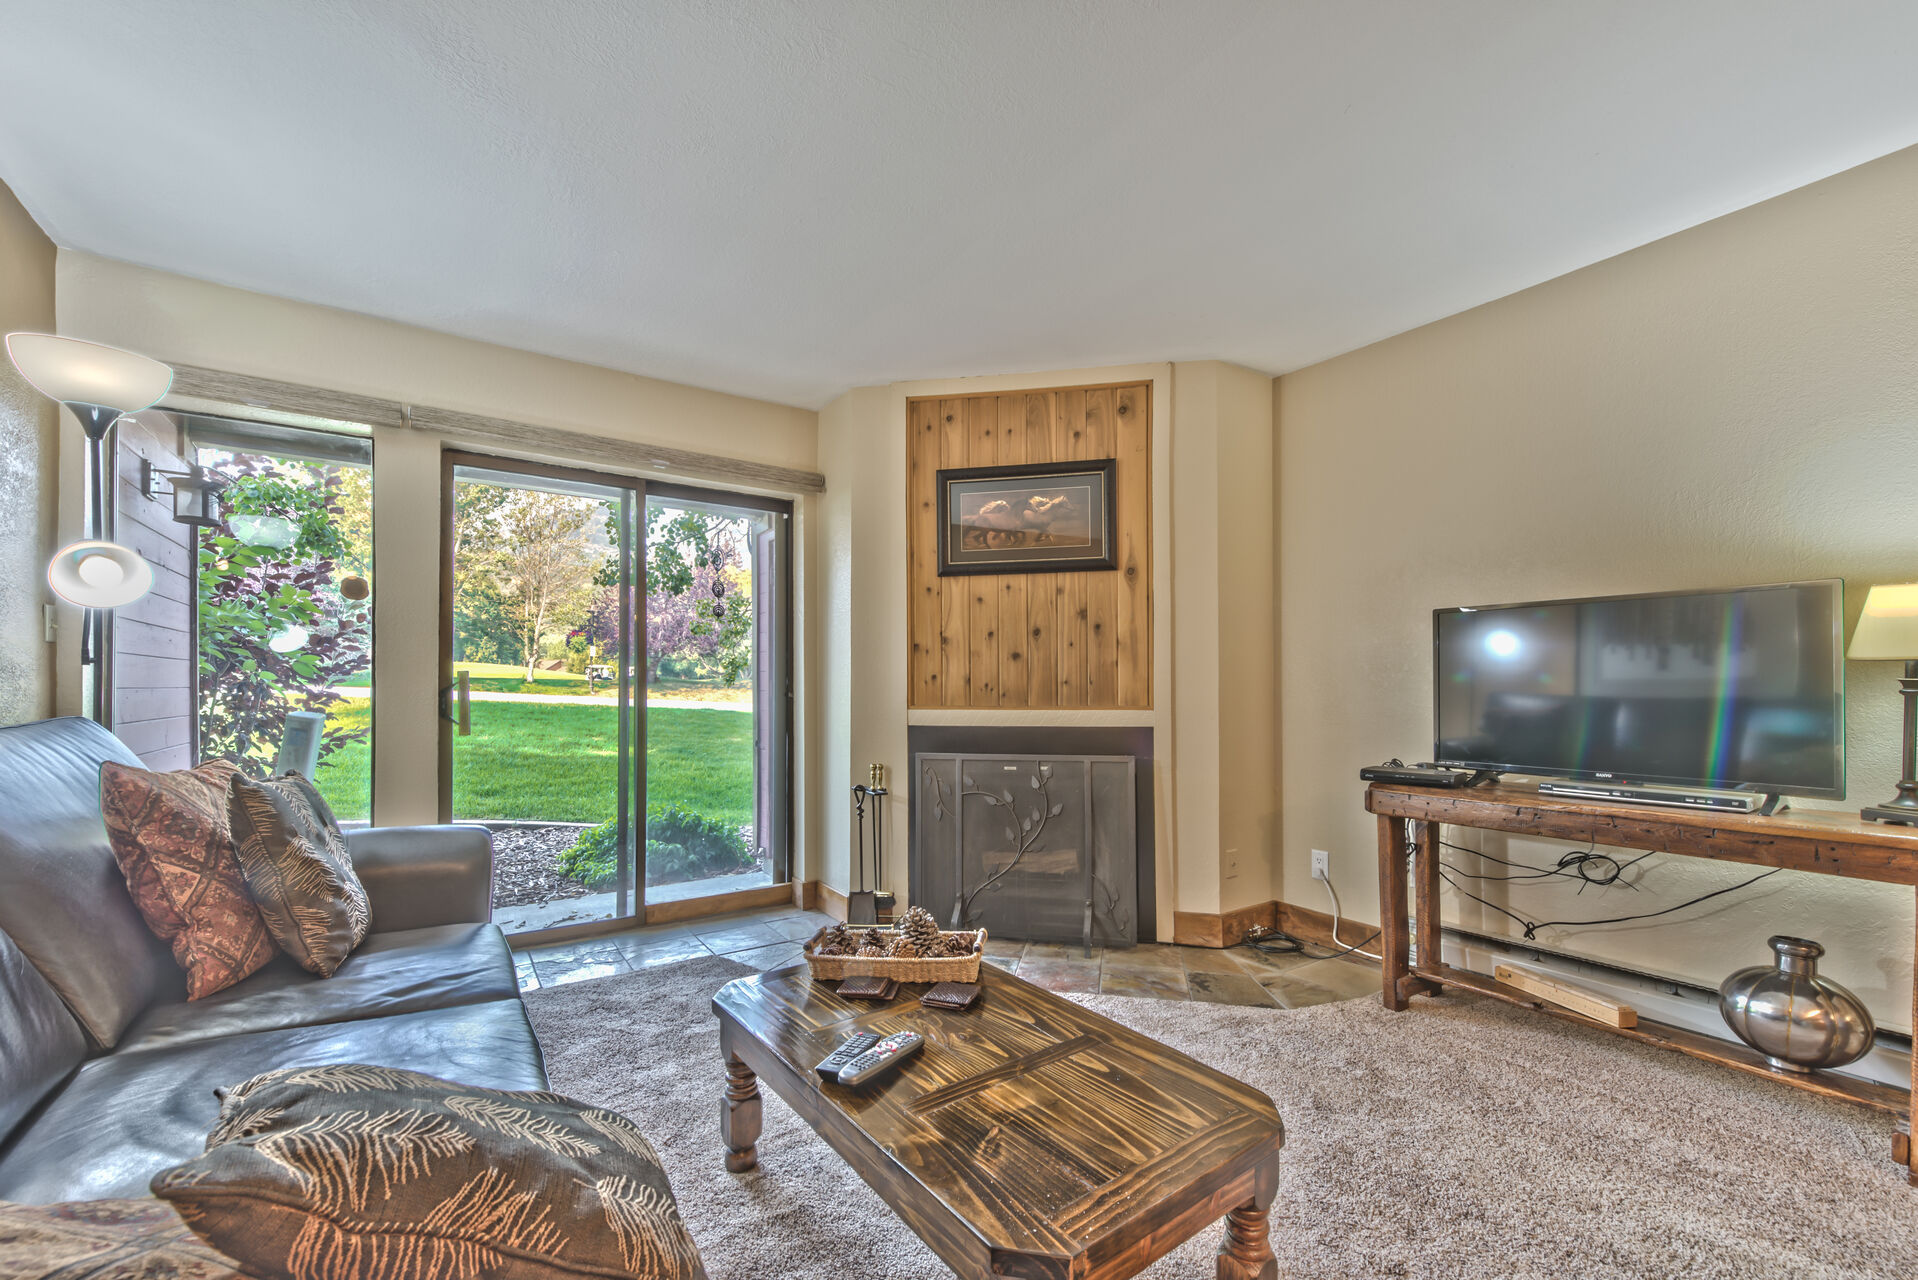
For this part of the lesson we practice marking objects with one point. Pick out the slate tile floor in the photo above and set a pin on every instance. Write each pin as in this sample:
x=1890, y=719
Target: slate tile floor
x=771, y=939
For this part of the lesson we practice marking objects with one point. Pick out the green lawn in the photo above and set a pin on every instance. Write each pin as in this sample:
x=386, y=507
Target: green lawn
x=557, y=762
x=498, y=677
x=503, y=677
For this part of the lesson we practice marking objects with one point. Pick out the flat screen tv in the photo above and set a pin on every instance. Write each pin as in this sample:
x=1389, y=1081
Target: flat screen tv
x=1741, y=689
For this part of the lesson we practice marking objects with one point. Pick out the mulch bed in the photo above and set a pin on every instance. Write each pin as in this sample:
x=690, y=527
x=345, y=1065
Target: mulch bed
x=524, y=866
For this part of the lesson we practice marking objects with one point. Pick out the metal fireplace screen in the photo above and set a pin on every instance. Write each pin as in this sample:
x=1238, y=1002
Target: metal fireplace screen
x=1037, y=847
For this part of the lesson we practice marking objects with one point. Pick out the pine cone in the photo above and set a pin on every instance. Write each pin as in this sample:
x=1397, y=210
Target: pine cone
x=840, y=941
x=872, y=938
x=921, y=930
x=903, y=948
x=958, y=944
x=874, y=952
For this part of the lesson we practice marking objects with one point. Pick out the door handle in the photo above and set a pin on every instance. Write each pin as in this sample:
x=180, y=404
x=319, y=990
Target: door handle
x=466, y=704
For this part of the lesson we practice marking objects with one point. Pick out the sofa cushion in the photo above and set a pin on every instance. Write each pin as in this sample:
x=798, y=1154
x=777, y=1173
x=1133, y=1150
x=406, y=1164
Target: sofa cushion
x=390, y=973
x=127, y=1116
x=297, y=864
x=62, y=897
x=169, y=835
x=40, y=1043
x=380, y=1174
x=106, y=1240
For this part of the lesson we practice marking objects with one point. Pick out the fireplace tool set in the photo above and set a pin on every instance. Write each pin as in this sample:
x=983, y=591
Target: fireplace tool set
x=862, y=904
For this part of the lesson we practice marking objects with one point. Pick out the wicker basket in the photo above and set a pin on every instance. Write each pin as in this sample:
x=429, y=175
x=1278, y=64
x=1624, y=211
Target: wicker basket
x=918, y=969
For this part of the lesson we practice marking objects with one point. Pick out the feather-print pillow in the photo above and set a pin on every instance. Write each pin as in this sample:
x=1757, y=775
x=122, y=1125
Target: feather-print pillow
x=295, y=859
x=360, y=1172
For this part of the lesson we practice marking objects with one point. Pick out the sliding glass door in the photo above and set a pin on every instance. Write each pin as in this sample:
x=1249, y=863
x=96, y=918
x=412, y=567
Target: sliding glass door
x=615, y=689
x=540, y=728
x=718, y=691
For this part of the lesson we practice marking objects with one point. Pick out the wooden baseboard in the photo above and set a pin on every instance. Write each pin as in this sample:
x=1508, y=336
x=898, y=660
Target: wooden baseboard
x=806, y=895
x=1204, y=929
x=1315, y=927
x=830, y=900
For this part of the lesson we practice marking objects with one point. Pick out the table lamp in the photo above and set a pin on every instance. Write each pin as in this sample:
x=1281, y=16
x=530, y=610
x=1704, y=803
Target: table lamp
x=1888, y=631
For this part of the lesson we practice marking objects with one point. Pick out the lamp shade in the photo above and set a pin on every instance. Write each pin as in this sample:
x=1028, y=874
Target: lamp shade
x=73, y=371
x=99, y=575
x=1888, y=628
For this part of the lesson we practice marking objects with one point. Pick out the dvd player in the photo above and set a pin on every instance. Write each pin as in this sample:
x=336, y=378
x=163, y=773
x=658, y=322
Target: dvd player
x=1671, y=797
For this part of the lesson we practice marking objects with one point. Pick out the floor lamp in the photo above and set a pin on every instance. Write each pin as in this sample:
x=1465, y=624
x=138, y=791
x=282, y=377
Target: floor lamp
x=98, y=385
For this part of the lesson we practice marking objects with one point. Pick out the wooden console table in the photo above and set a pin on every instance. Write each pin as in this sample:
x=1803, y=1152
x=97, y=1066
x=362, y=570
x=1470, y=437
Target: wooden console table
x=1830, y=844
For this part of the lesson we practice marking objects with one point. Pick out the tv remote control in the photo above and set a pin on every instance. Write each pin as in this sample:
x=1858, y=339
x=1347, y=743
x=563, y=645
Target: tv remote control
x=888, y=1053
x=854, y=1045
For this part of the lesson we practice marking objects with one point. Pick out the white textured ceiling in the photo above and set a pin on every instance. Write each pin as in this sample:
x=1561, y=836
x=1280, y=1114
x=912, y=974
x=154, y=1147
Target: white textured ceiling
x=788, y=199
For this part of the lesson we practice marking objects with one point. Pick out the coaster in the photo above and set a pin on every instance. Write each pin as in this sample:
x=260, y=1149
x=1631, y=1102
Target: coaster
x=950, y=995
x=869, y=988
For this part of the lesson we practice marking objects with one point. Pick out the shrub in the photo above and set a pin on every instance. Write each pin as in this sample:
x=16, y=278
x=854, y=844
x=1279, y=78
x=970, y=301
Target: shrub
x=680, y=845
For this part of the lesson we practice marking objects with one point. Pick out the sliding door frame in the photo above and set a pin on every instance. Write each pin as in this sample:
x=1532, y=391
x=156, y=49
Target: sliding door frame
x=783, y=509
x=632, y=721
x=633, y=707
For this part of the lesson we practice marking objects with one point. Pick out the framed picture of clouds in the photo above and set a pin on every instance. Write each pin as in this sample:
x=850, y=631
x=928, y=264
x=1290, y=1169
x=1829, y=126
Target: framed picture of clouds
x=1041, y=517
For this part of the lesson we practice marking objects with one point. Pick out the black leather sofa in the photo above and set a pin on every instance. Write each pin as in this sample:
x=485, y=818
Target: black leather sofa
x=107, y=1072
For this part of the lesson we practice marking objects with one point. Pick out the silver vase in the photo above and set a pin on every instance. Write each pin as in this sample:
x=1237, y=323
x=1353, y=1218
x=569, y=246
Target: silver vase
x=1797, y=1019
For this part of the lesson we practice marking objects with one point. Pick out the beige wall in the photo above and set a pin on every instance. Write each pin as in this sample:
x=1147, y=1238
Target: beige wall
x=1735, y=404
x=29, y=453
x=1226, y=710
x=193, y=322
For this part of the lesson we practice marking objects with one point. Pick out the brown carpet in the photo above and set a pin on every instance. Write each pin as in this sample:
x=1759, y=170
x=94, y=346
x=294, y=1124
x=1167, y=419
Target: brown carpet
x=1462, y=1139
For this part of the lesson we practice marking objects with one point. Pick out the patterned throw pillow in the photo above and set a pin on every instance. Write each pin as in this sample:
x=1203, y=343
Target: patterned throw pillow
x=370, y=1173
x=295, y=859
x=169, y=835
x=105, y=1240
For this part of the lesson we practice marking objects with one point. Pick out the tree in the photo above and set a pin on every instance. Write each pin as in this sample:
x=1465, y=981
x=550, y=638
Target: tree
x=710, y=617
x=545, y=562
x=249, y=595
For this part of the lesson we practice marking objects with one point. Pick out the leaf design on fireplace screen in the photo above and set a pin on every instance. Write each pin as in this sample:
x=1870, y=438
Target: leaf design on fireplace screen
x=1063, y=871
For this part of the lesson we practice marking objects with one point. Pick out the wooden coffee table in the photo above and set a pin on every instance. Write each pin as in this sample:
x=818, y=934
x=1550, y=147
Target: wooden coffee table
x=1029, y=1137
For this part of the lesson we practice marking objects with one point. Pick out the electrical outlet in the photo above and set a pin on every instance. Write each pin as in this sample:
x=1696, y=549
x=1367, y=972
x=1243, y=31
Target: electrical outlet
x=1321, y=865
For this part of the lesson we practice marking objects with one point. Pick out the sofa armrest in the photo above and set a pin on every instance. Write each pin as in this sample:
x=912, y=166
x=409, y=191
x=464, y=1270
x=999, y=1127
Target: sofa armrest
x=421, y=876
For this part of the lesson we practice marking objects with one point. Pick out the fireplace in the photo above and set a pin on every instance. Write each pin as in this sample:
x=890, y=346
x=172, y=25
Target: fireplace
x=1043, y=835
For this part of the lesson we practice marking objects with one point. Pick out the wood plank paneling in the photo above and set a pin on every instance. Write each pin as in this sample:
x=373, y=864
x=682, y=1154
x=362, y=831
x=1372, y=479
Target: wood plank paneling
x=1132, y=502
x=1015, y=688
x=1032, y=640
x=1102, y=589
x=952, y=603
x=1041, y=638
x=922, y=459
x=1068, y=444
x=982, y=602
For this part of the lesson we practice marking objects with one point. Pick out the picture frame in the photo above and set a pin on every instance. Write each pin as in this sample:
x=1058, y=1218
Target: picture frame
x=1035, y=517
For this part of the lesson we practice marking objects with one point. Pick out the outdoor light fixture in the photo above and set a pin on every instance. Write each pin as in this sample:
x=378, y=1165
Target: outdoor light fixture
x=196, y=492
x=99, y=385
